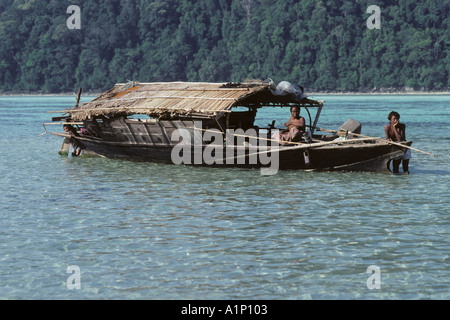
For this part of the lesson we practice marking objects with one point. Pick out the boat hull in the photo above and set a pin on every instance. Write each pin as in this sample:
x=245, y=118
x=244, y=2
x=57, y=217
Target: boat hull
x=372, y=156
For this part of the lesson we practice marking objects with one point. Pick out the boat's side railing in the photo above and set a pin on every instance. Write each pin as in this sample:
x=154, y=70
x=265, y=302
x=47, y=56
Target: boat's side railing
x=59, y=124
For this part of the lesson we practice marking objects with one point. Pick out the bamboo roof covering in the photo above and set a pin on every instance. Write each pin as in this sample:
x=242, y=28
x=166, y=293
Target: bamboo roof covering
x=174, y=99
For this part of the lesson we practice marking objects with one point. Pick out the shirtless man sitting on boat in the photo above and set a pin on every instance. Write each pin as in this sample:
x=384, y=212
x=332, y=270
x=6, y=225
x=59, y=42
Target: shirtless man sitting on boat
x=396, y=131
x=295, y=128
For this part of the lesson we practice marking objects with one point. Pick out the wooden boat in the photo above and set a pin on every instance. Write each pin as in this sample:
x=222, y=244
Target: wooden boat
x=213, y=124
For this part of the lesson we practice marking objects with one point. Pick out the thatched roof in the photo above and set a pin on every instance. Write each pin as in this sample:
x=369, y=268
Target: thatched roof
x=177, y=98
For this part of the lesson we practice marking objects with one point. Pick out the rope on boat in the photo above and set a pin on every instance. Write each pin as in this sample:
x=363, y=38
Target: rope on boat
x=246, y=136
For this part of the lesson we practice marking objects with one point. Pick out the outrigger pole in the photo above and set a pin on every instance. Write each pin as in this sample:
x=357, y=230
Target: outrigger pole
x=377, y=138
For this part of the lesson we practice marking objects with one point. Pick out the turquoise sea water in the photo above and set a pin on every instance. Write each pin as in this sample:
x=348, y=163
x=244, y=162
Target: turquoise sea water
x=152, y=231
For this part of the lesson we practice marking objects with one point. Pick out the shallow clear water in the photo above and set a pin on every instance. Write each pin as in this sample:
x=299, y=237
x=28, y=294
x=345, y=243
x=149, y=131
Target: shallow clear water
x=152, y=231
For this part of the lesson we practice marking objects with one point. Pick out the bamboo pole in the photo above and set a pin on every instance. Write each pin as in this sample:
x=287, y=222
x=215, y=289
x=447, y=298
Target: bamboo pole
x=62, y=123
x=159, y=109
x=305, y=146
x=384, y=140
x=254, y=137
x=78, y=97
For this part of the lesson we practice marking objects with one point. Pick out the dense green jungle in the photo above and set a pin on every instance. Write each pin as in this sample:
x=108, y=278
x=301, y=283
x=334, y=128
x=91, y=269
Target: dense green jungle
x=320, y=44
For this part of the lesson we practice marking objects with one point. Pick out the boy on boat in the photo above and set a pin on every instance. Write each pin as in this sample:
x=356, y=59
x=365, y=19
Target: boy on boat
x=396, y=131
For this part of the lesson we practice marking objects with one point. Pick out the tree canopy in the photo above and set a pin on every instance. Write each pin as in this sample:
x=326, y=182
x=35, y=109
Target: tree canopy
x=319, y=44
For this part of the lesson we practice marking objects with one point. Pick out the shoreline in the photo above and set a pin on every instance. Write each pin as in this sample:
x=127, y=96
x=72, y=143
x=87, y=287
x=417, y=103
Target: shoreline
x=308, y=93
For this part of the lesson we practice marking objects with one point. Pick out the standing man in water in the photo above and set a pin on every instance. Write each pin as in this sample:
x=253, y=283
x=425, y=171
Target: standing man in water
x=396, y=131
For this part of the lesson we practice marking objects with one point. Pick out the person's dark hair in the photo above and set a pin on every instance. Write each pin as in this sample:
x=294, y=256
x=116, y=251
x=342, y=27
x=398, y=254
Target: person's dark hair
x=292, y=107
x=393, y=113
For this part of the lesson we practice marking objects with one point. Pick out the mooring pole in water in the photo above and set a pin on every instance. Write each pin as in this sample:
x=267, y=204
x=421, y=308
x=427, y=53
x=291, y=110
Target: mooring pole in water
x=78, y=97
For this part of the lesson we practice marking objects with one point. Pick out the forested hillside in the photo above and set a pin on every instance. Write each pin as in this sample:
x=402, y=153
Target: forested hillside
x=319, y=44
